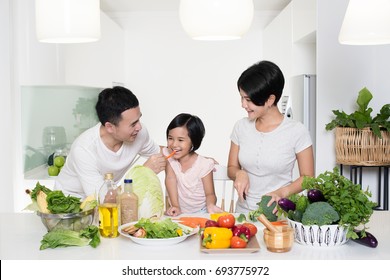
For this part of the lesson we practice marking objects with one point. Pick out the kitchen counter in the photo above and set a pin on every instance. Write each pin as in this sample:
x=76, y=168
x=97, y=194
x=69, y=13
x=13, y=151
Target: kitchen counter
x=21, y=233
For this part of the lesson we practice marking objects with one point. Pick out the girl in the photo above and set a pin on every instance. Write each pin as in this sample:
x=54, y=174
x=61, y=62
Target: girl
x=189, y=176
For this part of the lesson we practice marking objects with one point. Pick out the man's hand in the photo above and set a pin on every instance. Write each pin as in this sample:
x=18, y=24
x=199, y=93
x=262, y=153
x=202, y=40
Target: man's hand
x=156, y=162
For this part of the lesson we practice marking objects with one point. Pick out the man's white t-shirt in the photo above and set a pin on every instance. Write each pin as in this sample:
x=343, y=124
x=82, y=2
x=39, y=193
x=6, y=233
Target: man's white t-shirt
x=89, y=159
x=269, y=157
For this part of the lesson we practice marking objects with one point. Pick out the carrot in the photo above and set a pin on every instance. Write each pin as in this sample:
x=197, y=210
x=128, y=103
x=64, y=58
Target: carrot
x=189, y=224
x=279, y=223
x=194, y=221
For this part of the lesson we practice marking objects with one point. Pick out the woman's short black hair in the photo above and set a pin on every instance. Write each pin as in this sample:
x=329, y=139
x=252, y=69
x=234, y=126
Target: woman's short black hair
x=194, y=125
x=112, y=102
x=260, y=81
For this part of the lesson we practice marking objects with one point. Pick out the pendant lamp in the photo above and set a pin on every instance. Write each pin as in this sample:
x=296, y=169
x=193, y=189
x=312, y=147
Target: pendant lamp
x=216, y=19
x=67, y=21
x=366, y=22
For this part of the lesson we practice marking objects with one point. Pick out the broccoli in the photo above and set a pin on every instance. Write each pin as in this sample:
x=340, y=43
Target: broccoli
x=264, y=209
x=320, y=213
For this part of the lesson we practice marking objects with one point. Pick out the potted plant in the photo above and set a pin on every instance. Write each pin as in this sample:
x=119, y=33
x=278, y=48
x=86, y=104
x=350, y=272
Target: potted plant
x=332, y=210
x=360, y=138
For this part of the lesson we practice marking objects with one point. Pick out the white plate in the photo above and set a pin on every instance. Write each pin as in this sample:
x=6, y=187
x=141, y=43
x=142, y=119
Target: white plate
x=158, y=241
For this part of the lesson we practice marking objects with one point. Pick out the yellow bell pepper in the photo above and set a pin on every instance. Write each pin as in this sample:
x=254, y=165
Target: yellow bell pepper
x=215, y=216
x=216, y=238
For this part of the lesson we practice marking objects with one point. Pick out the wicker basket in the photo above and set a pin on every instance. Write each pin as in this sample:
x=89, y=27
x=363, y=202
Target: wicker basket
x=362, y=147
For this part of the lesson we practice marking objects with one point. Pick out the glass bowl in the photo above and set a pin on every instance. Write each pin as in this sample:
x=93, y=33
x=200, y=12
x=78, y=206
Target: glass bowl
x=72, y=221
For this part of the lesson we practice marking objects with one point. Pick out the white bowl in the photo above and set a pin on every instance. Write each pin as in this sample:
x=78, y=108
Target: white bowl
x=158, y=241
x=323, y=236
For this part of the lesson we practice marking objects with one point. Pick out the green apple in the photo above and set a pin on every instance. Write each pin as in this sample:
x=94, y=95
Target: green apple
x=53, y=170
x=59, y=161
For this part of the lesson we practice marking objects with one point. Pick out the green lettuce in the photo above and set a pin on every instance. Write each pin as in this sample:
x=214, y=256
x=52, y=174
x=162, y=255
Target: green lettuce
x=65, y=238
x=147, y=186
x=57, y=203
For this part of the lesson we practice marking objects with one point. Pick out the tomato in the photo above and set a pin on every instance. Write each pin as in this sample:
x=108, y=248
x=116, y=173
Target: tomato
x=226, y=221
x=237, y=242
x=252, y=228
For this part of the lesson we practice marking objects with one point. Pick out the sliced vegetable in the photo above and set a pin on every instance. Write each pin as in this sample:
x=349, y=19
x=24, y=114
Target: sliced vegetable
x=217, y=238
x=226, y=221
x=315, y=195
x=238, y=242
x=366, y=238
x=286, y=204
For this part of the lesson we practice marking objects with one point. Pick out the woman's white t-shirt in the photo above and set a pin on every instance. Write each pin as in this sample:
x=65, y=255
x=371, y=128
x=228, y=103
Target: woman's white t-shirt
x=268, y=157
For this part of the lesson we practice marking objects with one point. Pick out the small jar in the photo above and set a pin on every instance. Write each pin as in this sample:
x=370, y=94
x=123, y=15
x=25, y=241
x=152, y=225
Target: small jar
x=279, y=242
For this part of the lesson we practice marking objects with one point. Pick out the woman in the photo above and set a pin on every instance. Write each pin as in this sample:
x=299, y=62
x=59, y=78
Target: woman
x=266, y=144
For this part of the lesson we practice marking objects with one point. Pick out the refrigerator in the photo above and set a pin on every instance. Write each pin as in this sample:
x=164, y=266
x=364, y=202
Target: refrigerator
x=301, y=103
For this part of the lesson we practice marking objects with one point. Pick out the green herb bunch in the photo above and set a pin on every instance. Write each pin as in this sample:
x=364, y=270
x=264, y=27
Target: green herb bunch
x=348, y=199
x=362, y=118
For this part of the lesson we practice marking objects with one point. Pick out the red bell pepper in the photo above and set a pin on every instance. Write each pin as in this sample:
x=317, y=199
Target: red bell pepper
x=242, y=232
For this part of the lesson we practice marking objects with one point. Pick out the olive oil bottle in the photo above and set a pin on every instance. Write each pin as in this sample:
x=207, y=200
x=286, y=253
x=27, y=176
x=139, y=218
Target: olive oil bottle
x=108, y=208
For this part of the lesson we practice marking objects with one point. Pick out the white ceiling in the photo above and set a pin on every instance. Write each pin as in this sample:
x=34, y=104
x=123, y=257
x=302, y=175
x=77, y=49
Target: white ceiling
x=114, y=6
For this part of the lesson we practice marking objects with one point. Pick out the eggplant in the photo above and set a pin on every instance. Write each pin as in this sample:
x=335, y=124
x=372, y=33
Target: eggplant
x=286, y=204
x=369, y=240
x=315, y=195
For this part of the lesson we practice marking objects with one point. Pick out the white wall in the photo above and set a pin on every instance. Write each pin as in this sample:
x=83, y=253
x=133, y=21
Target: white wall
x=342, y=72
x=170, y=73
x=7, y=160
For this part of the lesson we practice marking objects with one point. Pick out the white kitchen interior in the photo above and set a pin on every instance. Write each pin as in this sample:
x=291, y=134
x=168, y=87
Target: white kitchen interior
x=144, y=48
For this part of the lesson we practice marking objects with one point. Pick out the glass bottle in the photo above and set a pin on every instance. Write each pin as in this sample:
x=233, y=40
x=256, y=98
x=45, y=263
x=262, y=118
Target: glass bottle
x=129, y=203
x=108, y=208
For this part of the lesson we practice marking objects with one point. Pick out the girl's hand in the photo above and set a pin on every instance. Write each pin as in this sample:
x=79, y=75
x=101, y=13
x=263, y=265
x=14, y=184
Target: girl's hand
x=173, y=211
x=241, y=183
x=214, y=209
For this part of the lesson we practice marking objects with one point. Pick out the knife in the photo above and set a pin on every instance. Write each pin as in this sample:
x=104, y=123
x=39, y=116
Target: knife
x=246, y=202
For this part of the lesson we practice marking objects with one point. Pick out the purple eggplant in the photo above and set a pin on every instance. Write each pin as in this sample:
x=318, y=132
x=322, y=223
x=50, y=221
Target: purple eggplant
x=315, y=195
x=286, y=204
x=369, y=240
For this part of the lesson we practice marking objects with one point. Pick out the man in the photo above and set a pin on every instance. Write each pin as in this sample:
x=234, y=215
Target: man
x=109, y=147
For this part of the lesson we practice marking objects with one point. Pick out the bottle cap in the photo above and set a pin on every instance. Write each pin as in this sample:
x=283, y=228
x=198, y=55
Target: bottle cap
x=109, y=176
x=128, y=181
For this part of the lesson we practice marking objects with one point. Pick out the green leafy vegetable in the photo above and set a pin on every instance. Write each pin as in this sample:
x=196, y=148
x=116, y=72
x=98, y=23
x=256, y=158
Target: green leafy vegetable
x=241, y=218
x=37, y=189
x=348, y=199
x=264, y=209
x=57, y=203
x=362, y=118
x=147, y=186
x=65, y=238
x=160, y=229
x=320, y=213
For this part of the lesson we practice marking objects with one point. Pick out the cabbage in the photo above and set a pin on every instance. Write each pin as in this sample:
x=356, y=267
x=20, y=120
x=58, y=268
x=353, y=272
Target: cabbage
x=147, y=186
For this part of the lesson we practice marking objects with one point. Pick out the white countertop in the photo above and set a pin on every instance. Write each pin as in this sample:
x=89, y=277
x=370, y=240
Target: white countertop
x=21, y=233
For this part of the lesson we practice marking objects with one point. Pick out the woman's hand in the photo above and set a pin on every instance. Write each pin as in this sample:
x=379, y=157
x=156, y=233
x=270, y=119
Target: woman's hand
x=241, y=183
x=173, y=211
x=275, y=196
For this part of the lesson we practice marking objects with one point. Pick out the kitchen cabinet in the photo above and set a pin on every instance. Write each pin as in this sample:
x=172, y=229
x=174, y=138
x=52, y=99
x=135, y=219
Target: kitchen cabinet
x=290, y=40
x=97, y=64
